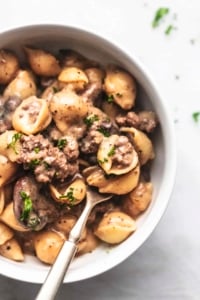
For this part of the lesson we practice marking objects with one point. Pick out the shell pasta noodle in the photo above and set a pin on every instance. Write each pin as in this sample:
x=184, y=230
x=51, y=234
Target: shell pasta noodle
x=67, y=122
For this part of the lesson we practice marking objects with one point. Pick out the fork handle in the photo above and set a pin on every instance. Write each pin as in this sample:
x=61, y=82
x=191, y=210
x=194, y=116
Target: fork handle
x=57, y=273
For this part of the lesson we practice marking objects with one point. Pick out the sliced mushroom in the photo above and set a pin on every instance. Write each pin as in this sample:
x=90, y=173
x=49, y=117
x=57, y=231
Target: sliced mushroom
x=42, y=62
x=115, y=184
x=31, y=116
x=23, y=85
x=116, y=155
x=142, y=143
x=31, y=208
x=121, y=86
x=9, y=66
x=115, y=227
x=72, y=194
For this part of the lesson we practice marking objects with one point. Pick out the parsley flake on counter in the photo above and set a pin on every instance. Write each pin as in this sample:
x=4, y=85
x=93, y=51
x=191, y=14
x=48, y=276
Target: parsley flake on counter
x=159, y=15
x=27, y=206
x=16, y=137
x=196, y=116
x=169, y=29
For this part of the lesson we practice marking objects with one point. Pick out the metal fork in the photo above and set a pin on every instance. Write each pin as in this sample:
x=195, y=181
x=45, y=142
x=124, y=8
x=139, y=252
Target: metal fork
x=57, y=272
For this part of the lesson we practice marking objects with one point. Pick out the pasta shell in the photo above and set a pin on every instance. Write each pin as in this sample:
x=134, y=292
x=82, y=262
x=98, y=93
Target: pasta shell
x=10, y=145
x=42, y=62
x=72, y=194
x=117, y=184
x=12, y=250
x=23, y=86
x=73, y=75
x=9, y=66
x=106, y=154
x=5, y=233
x=7, y=170
x=31, y=116
x=142, y=143
x=115, y=227
x=2, y=200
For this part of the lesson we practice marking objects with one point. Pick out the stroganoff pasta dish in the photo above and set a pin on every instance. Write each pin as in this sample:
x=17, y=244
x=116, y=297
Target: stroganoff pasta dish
x=67, y=122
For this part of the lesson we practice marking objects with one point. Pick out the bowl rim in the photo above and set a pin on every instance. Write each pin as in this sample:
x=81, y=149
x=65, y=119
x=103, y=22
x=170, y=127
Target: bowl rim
x=8, y=268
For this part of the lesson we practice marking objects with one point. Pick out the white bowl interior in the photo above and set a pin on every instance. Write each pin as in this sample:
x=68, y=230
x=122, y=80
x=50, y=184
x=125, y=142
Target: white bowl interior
x=52, y=37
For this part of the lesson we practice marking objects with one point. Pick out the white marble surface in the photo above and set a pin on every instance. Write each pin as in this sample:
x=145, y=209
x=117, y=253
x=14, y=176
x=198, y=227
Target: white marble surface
x=167, y=266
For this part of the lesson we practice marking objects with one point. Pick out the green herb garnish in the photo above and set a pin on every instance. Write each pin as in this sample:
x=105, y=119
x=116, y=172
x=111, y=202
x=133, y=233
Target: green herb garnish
x=27, y=206
x=104, y=131
x=110, y=98
x=33, y=163
x=61, y=143
x=169, y=29
x=112, y=151
x=16, y=137
x=47, y=166
x=36, y=150
x=55, y=89
x=69, y=195
x=89, y=120
x=102, y=161
x=196, y=116
x=159, y=15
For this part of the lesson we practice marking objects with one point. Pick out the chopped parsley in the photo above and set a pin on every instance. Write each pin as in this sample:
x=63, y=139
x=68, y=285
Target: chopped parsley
x=69, y=195
x=104, y=131
x=16, y=137
x=27, y=206
x=46, y=165
x=89, y=120
x=110, y=98
x=36, y=150
x=61, y=143
x=102, y=161
x=112, y=151
x=159, y=15
x=169, y=29
x=55, y=89
x=33, y=163
x=196, y=116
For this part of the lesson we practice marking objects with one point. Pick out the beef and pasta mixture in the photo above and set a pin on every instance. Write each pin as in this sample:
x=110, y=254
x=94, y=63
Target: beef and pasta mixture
x=66, y=123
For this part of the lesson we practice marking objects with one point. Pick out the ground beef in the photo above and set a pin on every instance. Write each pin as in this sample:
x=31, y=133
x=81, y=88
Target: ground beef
x=144, y=120
x=123, y=153
x=45, y=160
x=71, y=149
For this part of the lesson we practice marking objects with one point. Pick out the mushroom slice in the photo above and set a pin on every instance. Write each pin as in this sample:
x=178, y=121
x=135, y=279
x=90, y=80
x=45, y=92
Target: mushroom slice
x=5, y=233
x=42, y=63
x=75, y=76
x=68, y=110
x=23, y=85
x=9, y=66
x=142, y=143
x=12, y=250
x=72, y=194
x=121, y=87
x=116, y=155
x=32, y=116
x=115, y=227
x=7, y=170
x=31, y=208
x=114, y=184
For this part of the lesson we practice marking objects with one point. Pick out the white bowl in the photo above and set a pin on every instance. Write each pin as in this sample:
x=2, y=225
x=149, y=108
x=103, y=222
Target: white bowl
x=54, y=37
